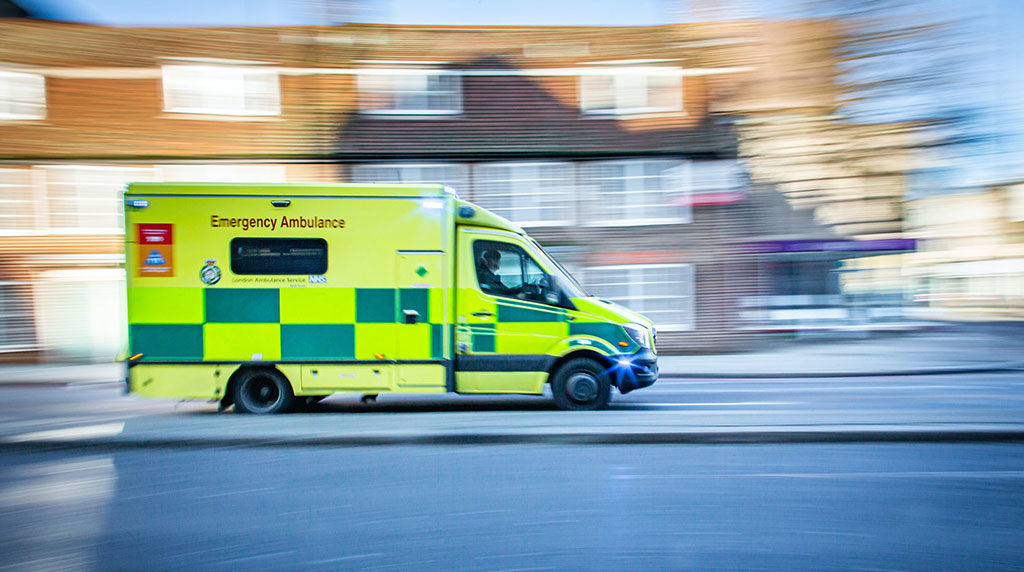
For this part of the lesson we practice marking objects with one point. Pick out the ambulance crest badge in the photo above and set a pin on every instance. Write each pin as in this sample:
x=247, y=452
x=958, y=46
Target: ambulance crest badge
x=210, y=272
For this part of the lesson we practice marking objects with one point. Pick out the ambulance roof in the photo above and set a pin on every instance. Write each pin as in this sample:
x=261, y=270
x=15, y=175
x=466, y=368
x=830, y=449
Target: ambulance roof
x=289, y=189
x=477, y=216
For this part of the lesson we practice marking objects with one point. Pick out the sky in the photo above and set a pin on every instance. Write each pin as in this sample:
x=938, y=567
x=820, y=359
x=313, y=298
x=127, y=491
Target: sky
x=995, y=44
x=300, y=12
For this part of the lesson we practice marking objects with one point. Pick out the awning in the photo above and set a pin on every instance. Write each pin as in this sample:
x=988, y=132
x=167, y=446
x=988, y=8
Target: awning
x=876, y=246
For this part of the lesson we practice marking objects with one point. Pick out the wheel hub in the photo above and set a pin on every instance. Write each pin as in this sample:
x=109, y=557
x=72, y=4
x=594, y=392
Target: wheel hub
x=263, y=393
x=582, y=387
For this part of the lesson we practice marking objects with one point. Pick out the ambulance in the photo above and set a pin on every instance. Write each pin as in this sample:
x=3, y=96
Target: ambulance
x=273, y=296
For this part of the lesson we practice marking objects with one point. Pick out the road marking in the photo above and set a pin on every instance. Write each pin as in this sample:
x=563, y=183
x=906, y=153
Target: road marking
x=68, y=434
x=710, y=404
x=257, y=557
x=823, y=389
x=98, y=384
x=344, y=558
x=854, y=475
x=234, y=493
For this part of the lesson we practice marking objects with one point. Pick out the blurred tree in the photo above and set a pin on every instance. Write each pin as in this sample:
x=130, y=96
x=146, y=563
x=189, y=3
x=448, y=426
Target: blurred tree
x=916, y=62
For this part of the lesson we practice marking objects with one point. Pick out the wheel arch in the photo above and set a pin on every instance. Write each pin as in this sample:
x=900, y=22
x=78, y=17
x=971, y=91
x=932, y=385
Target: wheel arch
x=605, y=361
x=228, y=398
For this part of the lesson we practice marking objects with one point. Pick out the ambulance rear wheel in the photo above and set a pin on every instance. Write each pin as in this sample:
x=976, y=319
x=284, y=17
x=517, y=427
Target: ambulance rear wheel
x=262, y=391
x=581, y=384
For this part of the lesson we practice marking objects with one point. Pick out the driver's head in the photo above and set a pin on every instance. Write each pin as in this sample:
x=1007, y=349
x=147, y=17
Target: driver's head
x=492, y=258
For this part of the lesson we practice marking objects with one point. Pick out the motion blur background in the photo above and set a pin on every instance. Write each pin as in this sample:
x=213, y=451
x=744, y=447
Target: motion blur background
x=738, y=171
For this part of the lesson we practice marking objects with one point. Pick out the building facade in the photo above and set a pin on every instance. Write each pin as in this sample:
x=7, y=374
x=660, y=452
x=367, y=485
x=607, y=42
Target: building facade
x=621, y=150
x=971, y=262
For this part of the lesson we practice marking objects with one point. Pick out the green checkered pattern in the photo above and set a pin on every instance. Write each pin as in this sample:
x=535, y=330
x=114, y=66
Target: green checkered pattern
x=292, y=324
x=528, y=326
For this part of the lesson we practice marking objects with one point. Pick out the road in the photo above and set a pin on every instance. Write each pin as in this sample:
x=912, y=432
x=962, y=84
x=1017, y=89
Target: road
x=521, y=505
x=518, y=507
x=955, y=401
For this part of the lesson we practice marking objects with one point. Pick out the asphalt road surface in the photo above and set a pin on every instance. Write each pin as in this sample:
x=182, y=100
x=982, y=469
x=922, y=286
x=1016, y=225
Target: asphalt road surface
x=954, y=401
x=986, y=398
x=874, y=507
x=854, y=506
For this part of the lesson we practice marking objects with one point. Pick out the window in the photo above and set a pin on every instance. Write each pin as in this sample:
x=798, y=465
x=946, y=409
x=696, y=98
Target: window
x=717, y=182
x=410, y=92
x=662, y=292
x=528, y=194
x=278, y=256
x=223, y=173
x=22, y=95
x=17, y=320
x=221, y=90
x=628, y=91
x=453, y=175
x=636, y=192
x=1016, y=209
x=89, y=199
x=17, y=201
x=505, y=269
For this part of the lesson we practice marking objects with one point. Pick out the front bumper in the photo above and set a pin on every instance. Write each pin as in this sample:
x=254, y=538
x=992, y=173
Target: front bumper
x=637, y=370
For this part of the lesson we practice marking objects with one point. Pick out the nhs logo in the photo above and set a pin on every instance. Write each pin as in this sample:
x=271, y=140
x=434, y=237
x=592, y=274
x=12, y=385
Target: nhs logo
x=317, y=279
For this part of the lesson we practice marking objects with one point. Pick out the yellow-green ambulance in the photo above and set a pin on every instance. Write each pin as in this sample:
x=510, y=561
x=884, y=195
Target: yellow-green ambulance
x=268, y=296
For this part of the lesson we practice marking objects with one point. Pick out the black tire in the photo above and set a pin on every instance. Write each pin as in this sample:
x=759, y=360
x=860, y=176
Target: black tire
x=581, y=384
x=262, y=391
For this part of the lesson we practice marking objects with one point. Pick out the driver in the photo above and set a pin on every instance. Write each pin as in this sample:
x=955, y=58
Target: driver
x=490, y=261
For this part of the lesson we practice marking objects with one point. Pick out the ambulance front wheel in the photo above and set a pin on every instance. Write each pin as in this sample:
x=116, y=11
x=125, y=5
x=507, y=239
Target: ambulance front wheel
x=581, y=384
x=262, y=391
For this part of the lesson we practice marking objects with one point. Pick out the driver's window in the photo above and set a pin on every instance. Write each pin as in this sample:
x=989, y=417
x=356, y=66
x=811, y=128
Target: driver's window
x=501, y=268
x=534, y=275
x=511, y=268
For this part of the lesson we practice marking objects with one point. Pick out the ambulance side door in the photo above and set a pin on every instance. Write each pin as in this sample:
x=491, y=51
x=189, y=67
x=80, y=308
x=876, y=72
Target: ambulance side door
x=503, y=328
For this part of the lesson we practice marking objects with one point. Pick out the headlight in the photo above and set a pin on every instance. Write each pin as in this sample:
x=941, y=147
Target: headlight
x=639, y=334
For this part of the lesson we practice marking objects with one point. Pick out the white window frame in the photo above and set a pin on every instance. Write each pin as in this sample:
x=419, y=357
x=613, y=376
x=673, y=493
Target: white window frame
x=187, y=89
x=415, y=171
x=115, y=200
x=32, y=84
x=678, y=174
x=635, y=290
x=518, y=197
x=631, y=91
x=15, y=182
x=17, y=317
x=222, y=173
x=369, y=81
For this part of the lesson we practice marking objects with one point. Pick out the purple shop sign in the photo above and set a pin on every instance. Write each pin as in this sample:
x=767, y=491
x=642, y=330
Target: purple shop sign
x=884, y=244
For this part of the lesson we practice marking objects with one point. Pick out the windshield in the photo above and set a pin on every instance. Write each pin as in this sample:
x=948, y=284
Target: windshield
x=566, y=282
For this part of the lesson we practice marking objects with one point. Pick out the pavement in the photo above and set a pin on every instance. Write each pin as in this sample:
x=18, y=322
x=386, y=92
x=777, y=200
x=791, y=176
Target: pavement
x=967, y=348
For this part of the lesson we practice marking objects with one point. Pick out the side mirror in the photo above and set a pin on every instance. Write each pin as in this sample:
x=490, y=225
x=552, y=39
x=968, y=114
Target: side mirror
x=550, y=289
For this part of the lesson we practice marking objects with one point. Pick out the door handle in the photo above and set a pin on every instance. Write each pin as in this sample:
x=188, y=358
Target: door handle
x=483, y=314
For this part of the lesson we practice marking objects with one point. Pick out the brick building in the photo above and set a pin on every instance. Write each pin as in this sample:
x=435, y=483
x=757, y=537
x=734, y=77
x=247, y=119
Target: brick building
x=618, y=148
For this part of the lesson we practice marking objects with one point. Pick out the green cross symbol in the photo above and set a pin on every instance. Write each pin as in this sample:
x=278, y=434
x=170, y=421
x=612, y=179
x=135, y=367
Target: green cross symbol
x=421, y=271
